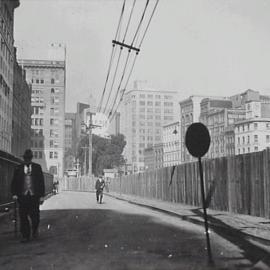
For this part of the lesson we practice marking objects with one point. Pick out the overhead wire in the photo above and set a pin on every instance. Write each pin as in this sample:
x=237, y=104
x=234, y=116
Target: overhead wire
x=112, y=54
x=118, y=60
x=134, y=60
x=127, y=59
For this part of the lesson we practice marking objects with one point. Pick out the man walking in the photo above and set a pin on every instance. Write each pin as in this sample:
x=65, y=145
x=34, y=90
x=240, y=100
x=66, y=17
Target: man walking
x=100, y=184
x=28, y=188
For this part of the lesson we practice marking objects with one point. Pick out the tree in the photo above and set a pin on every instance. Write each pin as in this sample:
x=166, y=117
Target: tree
x=107, y=153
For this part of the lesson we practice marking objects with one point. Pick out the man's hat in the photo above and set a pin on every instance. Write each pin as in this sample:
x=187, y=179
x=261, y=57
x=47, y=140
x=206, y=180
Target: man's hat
x=28, y=154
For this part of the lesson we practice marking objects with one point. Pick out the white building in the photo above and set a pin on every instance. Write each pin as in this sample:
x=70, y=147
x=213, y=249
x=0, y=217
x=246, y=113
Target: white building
x=143, y=113
x=253, y=134
x=171, y=144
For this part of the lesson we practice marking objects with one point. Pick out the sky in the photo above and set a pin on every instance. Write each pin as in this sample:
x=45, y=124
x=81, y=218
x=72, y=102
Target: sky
x=194, y=47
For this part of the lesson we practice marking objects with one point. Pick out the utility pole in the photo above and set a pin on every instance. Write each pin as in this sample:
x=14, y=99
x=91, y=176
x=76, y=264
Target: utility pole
x=85, y=151
x=90, y=145
x=89, y=128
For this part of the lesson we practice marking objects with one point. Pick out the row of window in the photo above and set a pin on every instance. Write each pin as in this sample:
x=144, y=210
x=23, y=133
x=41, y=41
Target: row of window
x=247, y=139
x=247, y=127
x=248, y=150
x=152, y=96
x=39, y=155
x=151, y=103
x=41, y=81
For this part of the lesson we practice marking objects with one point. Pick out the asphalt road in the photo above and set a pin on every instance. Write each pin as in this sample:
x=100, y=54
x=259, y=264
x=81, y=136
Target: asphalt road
x=78, y=233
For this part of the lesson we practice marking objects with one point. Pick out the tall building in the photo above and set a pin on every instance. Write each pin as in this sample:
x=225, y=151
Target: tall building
x=190, y=110
x=7, y=59
x=171, y=144
x=143, y=112
x=48, y=79
x=70, y=141
x=218, y=115
x=253, y=133
x=21, y=112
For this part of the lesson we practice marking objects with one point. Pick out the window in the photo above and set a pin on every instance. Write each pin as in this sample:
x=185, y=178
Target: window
x=267, y=138
x=149, y=103
x=255, y=138
x=142, y=109
x=142, y=96
x=39, y=154
x=150, y=96
x=168, y=104
x=51, y=143
x=37, y=80
x=52, y=91
x=55, y=154
x=157, y=103
x=41, y=81
x=256, y=148
x=52, y=80
x=248, y=139
x=51, y=154
x=268, y=126
x=255, y=125
x=142, y=103
x=157, y=96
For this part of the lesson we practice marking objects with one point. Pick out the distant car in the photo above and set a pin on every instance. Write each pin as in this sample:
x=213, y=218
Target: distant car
x=72, y=173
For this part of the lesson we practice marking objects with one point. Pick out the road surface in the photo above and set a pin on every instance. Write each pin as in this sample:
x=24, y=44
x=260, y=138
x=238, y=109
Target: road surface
x=78, y=233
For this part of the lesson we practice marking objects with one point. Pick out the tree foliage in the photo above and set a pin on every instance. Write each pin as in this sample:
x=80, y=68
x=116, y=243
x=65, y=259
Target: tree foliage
x=107, y=153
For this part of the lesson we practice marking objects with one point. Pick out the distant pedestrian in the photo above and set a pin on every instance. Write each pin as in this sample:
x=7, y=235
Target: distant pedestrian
x=100, y=184
x=29, y=189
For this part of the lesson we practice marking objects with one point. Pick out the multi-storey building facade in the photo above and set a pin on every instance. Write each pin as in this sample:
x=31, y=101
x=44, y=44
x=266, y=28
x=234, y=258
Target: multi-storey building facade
x=48, y=107
x=171, y=144
x=70, y=141
x=218, y=115
x=7, y=59
x=21, y=112
x=149, y=158
x=158, y=153
x=143, y=113
x=253, y=133
x=189, y=113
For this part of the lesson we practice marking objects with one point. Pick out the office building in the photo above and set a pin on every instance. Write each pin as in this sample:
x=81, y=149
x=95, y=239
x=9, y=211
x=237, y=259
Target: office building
x=48, y=107
x=70, y=141
x=143, y=113
x=171, y=144
x=7, y=59
x=21, y=112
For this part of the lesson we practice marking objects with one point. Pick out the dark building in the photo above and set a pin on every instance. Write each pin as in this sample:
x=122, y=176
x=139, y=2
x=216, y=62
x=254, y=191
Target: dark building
x=21, y=112
x=70, y=141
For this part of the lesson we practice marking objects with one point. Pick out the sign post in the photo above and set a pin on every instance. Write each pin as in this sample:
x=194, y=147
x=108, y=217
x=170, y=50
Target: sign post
x=197, y=141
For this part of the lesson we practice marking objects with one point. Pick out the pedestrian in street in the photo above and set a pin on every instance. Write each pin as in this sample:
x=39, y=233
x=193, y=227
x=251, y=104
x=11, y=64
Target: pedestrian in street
x=100, y=184
x=28, y=188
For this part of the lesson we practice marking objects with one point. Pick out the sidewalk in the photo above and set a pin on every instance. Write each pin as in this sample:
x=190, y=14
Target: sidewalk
x=255, y=228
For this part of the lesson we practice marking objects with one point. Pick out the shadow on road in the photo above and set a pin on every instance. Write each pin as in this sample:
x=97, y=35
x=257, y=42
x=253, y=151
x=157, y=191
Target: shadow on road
x=239, y=238
x=107, y=239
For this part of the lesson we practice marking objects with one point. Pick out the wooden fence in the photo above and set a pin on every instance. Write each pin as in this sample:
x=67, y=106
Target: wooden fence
x=77, y=184
x=238, y=184
x=7, y=166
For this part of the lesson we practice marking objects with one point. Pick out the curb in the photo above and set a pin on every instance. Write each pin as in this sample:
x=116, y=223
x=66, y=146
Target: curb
x=192, y=220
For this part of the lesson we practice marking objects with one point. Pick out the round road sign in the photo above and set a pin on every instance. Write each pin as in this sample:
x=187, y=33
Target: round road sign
x=197, y=139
